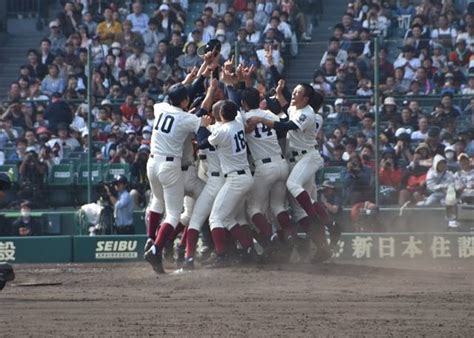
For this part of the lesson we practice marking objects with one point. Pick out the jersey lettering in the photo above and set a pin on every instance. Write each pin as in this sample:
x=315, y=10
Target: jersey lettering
x=265, y=129
x=167, y=124
x=239, y=142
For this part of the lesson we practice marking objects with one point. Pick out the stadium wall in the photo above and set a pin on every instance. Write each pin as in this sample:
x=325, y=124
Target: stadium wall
x=352, y=247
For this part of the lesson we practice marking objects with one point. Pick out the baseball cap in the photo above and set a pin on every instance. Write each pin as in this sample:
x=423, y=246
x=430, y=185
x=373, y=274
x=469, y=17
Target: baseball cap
x=339, y=101
x=463, y=156
x=116, y=45
x=146, y=129
x=130, y=131
x=214, y=43
x=164, y=7
x=85, y=132
x=389, y=101
x=54, y=23
x=449, y=148
x=144, y=148
x=106, y=102
x=403, y=131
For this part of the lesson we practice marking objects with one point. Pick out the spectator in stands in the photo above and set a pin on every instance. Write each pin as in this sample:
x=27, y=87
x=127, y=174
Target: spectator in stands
x=26, y=225
x=167, y=19
x=36, y=69
x=464, y=179
x=108, y=29
x=335, y=50
x=89, y=23
x=422, y=132
x=138, y=19
x=438, y=180
x=408, y=62
x=443, y=33
x=138, y=60
x=63, y=140
x=451, y=158
x=413, y=183
x=390, y=175
x=152, y=37
x=46, y=56
x=351, y=28
x=219, y=7
x=461, y=55
x=69, y=18
x=58, y=40
x=128, y=38
x=16, y=115
x=52, y=82
x=190, y=59
x=7, y=133
x=57, y=112
x=31, y=178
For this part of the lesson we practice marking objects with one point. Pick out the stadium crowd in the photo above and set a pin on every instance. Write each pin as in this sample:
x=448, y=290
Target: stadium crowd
x=426, y=66
x=140, y=51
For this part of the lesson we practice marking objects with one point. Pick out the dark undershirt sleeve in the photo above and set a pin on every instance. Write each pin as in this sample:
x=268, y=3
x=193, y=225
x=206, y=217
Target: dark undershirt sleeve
x=202, y=135
x=284, y=126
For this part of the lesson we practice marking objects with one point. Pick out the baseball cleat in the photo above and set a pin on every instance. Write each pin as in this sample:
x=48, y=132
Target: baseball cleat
x=153, y=256
x=149, y=243
x=188, y=264
x=322, y=255
x=6, y=274
x=180, y=251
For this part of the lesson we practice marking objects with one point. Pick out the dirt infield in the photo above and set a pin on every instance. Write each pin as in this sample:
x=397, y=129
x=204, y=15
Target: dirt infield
x=302, y=300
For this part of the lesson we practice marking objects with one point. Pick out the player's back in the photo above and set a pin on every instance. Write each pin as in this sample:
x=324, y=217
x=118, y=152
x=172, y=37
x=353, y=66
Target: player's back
x=172, y=127
x=229, y=140
x=263, y=141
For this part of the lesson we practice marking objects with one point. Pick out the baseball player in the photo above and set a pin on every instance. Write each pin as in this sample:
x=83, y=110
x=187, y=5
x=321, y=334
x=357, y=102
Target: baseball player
x=172, y=127
x=203, y=205
x=271, y=168
x=6, y=270
x=229, y=141
x=305, y=160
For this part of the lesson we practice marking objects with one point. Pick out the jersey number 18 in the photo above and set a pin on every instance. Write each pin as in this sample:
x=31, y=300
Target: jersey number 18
x=239, y=141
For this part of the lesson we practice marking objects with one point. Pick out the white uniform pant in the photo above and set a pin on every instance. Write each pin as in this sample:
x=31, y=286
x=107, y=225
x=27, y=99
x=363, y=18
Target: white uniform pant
x=193, y=187
x=269, y=185
x=229, y=199
x=302, y=178
x=203, y=205
x=167, y=183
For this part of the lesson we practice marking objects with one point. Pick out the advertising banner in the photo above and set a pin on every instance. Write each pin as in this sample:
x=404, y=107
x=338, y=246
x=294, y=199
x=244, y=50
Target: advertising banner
x=108, y=248
x=46, y=249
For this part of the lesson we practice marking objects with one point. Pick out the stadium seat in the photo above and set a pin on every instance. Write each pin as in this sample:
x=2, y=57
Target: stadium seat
x=113, y=169
x=11, y=170
x=61, y=185
x=73, y=161
x=334, y=175
x=82, y=178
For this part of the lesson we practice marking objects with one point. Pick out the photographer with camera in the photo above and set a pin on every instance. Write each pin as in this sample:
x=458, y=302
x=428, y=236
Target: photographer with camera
x=358, y=187
x=139, y=180
x=123, y=205
x=122, y=155
x=31, y=178
x=390, y=177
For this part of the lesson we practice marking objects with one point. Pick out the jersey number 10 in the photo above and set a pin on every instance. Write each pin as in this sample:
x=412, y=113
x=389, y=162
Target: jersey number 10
x=166, y=125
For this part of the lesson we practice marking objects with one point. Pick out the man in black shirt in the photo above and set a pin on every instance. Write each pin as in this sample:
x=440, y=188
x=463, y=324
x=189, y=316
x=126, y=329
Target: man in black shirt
x=25, y=225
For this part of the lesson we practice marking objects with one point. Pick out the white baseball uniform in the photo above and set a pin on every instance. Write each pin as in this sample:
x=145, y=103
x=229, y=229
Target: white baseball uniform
x=172, y=127
x=193, y=185
x=229, y=141
x=271, y=169
x=305, y=159
x=215, y=181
